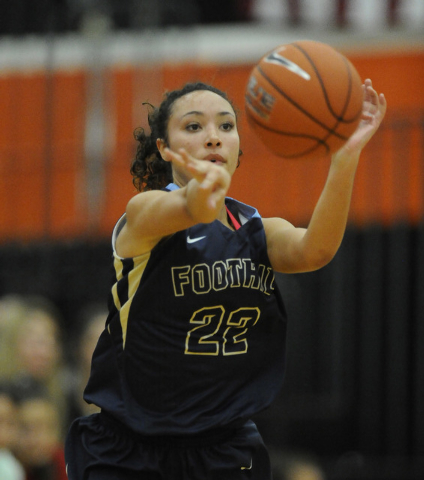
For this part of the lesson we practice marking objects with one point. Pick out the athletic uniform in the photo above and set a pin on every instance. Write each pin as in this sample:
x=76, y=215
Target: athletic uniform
x=194, y=345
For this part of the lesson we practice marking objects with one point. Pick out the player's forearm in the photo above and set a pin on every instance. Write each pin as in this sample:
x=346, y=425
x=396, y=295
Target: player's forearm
x=328, y=222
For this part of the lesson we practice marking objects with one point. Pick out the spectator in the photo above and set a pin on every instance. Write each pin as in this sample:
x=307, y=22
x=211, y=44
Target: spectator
x=40, y=448
x=12, y=308
x=93, y=320
x=295, y=466
x=10, y=468
x=32, y=359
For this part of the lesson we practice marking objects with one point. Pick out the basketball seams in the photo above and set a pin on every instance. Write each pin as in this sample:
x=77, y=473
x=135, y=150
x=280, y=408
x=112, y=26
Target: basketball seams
x=340, y=118
x=349, y=90
x=357, y=115
x=299, y=107
x=349, y=95
x=282, y=132
x=319, y=141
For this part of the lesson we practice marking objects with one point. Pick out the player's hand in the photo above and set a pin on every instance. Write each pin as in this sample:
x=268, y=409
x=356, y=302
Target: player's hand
x=374, y=108
x=208, y=186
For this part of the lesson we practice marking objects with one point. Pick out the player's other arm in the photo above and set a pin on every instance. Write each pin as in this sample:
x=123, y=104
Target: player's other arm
x=298, y=250
x=293, y=250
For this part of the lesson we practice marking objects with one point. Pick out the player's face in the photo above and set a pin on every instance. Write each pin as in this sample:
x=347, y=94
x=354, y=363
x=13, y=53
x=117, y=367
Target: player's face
x=205, y=125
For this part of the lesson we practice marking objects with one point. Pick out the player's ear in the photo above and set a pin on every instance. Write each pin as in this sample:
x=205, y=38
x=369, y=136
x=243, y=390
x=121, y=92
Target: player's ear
x=161, y=145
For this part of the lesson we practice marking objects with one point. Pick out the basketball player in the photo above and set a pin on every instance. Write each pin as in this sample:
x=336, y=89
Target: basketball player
x=194, y=343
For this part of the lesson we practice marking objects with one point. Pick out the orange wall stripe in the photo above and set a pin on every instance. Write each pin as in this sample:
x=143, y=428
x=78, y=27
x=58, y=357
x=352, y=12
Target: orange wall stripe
x=42, y=121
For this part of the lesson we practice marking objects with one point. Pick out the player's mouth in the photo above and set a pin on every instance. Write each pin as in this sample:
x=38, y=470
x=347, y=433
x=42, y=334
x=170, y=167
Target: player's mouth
x=215, y=158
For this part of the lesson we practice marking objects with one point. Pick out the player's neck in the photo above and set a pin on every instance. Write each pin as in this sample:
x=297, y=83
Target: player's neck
x=223, y=218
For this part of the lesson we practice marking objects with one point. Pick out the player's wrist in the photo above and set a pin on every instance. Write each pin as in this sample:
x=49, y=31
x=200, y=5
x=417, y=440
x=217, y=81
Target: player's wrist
x=345, y=160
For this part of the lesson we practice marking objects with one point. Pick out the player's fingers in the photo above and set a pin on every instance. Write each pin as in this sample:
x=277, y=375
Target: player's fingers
x=186, y=162
x=191, y=163
x=174, y=157
x=212, y=179
x=382, y=102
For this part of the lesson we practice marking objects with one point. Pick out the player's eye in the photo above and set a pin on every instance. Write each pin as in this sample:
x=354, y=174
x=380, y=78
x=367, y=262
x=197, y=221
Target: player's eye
x=227, y=126
x=193, y=127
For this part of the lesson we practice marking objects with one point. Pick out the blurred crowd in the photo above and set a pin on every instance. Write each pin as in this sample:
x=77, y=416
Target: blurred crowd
x=22, y=17
x=42, y=378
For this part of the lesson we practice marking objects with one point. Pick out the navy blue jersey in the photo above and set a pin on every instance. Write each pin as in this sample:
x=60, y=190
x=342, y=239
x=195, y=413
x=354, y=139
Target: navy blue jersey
x=195, y=337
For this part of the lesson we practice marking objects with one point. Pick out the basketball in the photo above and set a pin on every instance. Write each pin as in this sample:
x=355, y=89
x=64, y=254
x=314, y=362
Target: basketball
x=304, y=100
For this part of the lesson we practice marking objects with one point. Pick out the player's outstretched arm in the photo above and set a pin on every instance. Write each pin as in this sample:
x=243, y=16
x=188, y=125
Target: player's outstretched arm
x=155, y=214
x=296, y=250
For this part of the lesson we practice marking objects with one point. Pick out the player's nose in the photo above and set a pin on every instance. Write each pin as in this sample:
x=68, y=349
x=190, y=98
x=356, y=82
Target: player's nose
x=212, y=138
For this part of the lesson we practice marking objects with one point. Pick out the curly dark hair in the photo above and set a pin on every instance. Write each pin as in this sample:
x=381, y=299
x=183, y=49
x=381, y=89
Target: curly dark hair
x=149, y=170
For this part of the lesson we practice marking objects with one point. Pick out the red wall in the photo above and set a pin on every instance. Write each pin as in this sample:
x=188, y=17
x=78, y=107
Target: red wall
x=42, y=192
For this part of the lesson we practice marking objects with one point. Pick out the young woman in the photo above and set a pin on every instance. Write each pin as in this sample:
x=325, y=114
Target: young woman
x=194, y=343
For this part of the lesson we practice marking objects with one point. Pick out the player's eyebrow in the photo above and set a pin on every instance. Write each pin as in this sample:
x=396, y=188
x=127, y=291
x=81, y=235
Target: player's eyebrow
x=197, y=112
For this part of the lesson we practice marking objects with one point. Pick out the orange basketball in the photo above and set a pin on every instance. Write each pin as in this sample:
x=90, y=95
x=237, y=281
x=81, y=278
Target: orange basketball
x=304, y=100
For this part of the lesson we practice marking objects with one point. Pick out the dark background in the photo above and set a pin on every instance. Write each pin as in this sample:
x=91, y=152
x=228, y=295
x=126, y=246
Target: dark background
x=354, y=390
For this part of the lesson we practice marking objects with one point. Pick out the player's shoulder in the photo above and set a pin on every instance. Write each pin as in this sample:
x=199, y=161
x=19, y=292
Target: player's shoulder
x=272, y=224
x=148, y=195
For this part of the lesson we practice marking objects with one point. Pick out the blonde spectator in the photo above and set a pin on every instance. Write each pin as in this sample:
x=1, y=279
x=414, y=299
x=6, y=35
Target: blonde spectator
x=31, y=360
x=12, y=310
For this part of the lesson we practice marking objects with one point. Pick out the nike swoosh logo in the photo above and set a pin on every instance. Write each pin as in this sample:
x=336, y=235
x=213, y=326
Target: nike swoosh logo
x=194, y=240
x=248, y=468
x=278, y=59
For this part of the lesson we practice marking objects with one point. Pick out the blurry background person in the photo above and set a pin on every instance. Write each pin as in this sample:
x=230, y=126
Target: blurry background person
x=295, y=466
x=32, y=357
x=12, y=308
x=10, y=468
x=91, y=323
x=40, y=448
